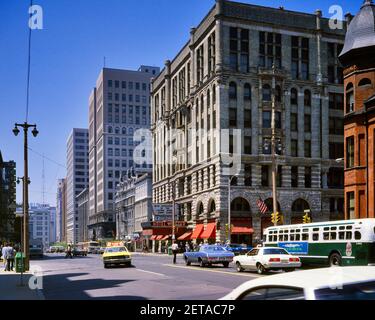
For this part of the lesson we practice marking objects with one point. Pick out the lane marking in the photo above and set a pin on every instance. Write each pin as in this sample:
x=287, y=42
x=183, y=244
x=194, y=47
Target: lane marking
x=217, y=271
x=158, y=274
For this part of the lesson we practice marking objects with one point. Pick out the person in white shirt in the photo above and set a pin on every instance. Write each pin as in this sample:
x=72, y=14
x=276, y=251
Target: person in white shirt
x=174, y=251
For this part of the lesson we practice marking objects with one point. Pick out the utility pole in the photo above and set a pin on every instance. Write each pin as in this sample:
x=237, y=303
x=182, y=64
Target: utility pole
x=26, y=181
x=273, y=146
x=173, y=210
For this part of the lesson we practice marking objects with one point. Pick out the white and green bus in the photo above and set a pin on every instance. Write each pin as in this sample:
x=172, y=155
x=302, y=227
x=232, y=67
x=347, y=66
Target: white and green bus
x=343, y=243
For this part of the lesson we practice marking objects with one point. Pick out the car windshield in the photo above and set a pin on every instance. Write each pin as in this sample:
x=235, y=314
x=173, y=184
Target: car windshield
x=357, y=291
x=274, y=251
x=115, y=249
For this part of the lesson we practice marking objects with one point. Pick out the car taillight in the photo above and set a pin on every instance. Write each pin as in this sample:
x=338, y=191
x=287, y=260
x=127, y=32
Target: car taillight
x=294, y=260
x=275, y=260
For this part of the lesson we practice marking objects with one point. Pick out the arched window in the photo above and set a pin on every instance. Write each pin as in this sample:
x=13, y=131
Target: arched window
x=200, y=210
x=208, y=98
x=307, y=98
x=117, y=130
x=299, y=206
x=110, y=130
x=266, y=92
x=131, y=131
x=240, y=204
x=232, y=91
x=294, y=97
x=123, y=130
x=364, y=82
x=247, y=92
x=278, y=93
x=349, y=98
x=212, y=207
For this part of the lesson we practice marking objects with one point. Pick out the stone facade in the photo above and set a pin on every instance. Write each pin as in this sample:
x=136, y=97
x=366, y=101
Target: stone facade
x=220, y=86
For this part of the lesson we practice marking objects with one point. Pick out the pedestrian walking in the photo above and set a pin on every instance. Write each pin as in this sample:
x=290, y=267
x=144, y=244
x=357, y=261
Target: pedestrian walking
x=3, y=251
x=187, y=247
x=174, y=251
x=10, y=258
x=69, y=252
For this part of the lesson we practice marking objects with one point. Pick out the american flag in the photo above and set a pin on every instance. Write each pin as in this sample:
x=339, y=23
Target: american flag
x=262, y=206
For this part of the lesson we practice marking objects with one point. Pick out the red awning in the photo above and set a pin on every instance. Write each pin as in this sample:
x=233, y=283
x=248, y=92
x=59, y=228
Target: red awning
x=158, y=238
x=242, y=227
x=197, y=232
x=185, y=236
x=153, y=238
x=164, y=238
x=210, y=232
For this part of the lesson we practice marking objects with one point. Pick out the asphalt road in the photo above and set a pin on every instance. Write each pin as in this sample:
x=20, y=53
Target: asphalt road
x=150, y=278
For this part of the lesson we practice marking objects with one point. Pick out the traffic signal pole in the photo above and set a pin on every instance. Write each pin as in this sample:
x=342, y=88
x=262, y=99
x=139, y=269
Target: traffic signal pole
x=273, y=148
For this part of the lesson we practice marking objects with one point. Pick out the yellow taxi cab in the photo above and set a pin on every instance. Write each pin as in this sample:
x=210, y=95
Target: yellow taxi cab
x=116, y=254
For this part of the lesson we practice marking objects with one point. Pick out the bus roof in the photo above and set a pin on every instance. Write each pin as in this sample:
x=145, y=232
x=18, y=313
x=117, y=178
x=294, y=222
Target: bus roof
x=324, y=224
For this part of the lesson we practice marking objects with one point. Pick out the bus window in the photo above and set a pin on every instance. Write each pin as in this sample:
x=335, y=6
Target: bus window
x=274, y=238
x=315, y=236
x=316, y=229
x=333, y=228
x=349, y=235
x=357, y=235
x=292, y=237
x=298, y=230
x=326, y=235
x=292, y=231
x=342, y=228
x=326, y=229
x=298, y=237
x=280, y=237
x=269, y=238
x=341, y=235
x=349, y=228
x=305, y=237
x=304, y=230
x=333, y=235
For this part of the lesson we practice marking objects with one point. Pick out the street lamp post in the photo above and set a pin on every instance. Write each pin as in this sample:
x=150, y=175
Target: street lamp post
x=26, y=181
x=229, y=208
x=20, y=215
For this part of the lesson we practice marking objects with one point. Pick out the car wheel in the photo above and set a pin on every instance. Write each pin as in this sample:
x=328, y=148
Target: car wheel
x=128, y=264
x=201, y=263
x=106, y=266
x=290, y=270
x=335, y=260
x=239, y=267
x=187, y=262
x=260, y=269
x=226, y=264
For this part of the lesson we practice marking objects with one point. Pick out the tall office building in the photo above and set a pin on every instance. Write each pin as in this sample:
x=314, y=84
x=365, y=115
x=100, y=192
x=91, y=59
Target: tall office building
x=76, y=179
x=40, y=223
x=218, y=93
x=118, y=106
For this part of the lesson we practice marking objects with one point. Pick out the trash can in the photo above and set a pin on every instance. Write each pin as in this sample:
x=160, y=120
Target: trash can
x=170, y=251
x=20, y=262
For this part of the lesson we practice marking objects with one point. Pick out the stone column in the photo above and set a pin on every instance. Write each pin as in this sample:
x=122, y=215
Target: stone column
x=301, y=177
x=286, y=176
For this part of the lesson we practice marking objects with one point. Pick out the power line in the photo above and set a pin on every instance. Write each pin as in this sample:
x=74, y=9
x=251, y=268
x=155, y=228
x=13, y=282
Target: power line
x=49, y=159
x=28, y=68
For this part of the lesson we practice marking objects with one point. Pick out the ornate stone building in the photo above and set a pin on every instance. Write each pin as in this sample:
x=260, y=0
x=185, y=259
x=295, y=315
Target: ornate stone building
x=358, y=58
x=212, y=104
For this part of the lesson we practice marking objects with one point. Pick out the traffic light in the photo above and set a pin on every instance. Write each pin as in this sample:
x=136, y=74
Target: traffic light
x=306, y=218
x=276, y=218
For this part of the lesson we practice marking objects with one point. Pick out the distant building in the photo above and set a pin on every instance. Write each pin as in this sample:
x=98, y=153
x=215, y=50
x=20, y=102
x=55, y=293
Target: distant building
x=118, y=106
x=52, y=225
x=8, y=223
x=61, y=211
x=40, y=222
x=83, y=215
x=358, y=59
x=77, y=179
x=133, y=208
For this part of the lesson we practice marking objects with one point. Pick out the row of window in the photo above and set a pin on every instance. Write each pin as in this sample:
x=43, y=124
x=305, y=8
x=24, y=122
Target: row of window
x=129, y=98
x=127, y=85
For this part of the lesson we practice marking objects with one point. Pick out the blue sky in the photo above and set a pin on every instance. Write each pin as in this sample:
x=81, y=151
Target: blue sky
x=67, y=56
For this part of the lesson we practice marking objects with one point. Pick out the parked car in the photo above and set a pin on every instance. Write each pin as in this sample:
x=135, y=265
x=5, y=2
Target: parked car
x=264, y=259
x=238, y=249
x=208, y=255
x=335, y=283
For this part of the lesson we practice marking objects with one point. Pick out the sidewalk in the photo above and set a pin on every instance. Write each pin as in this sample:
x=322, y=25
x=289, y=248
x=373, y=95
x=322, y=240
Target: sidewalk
x=10, y=289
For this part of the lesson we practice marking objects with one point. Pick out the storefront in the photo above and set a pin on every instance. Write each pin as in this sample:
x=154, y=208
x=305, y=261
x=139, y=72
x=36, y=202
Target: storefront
x=242, y=231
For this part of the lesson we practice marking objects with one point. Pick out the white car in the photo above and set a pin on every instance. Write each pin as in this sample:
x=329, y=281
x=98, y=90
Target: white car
x=264, y=259
x=335, y=283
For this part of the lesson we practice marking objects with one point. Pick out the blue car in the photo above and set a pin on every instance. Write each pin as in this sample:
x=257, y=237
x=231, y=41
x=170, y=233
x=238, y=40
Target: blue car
x=209, y=255
x=238, y=249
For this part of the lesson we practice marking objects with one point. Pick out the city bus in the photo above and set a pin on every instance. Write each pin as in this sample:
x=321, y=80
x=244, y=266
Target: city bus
x=90, y=246
x=341, y=243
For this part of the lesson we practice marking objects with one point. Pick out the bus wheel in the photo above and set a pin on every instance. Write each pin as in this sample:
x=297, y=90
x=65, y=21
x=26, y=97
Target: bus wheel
x=335, y=260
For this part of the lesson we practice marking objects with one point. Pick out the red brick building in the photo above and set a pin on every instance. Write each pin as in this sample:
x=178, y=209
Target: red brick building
x=358, y=59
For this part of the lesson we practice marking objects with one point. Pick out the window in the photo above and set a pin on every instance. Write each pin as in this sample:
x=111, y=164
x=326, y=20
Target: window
x=315, y=236
x=294, y=97
x=266, y=92
x=307, y=123
x=232, y=91
x=247, y=118
x=247, y=92
x=349, y=98
x=300, y=56
x=307, y=149
x=248, y=175
x=294, y=122
x=336, y=126
x=233, y=44
x=265, y=176
x=110, y=83
x=247, y=145
x=350, y=152
x=336, y=150
x=307, y=177
x=269, y=49
x=267, y=119
x=357, y=235
x=307, y=98
x=350, y=205
x=364, y=82
x=294, y=148
x=336, y=101
x=232, y=117
x=278, y=120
